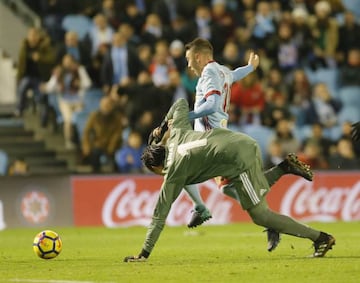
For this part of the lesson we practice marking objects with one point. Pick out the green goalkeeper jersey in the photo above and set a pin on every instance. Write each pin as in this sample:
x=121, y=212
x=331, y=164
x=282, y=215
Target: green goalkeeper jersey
x=194, y=157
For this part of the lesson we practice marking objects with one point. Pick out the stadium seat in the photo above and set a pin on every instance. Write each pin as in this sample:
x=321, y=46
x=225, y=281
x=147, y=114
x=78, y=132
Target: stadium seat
x=3, y=163
x=330, y=78
x=353, y=6
x=261, y=134
x=92, y=99
x=78, y=23
x=349, y=114
x=302, y=132
x=350, y=96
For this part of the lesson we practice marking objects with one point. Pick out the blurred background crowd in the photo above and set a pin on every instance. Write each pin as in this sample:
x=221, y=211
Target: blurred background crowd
x=105, y=73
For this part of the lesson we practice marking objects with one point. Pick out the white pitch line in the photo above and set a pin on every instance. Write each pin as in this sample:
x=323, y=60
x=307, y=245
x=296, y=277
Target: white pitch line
x=52, y=281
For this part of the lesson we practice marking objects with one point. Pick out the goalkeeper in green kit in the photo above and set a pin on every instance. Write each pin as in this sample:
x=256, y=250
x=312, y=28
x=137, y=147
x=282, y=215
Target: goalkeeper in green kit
x=191, y=157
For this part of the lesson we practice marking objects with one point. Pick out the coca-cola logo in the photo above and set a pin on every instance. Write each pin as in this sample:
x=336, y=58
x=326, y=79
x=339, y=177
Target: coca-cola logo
x=127, y=205
x=306, y=203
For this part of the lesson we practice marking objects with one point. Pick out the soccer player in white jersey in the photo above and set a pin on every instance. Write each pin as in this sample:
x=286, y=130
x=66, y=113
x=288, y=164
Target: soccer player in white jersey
x=212, y=100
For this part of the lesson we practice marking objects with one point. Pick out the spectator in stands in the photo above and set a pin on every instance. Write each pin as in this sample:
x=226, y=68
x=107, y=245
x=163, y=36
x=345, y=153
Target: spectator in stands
x=223, y=18
x=323, y=108
x=264, y=26
x=36, y=58
x=230, y=55
x=234, y=118
x=344, y=158
x=110, y=11
x=73, y=46
x=131, y=14
x=275, y=154
x=302, y=34
x=317, y=136
x=102, y=134
x=70, y=81
x=249, y=96
x=285, y=50
x=275, y=109
x=299, y=89
x=350, y=71
x=274, y=83
x=162, y=65
x=154, y=30
x=128, y=157
x=203, y=26
x=313, y=156
x=142, y=97
x=347, y=40
x=325, y=34
x=176, y=50
x=121, y=65
x=131, y=38
x=100, y=33
x=284, y=135
x=145, y=55
x=189, y=81
x=18, y=167
x=346, y=133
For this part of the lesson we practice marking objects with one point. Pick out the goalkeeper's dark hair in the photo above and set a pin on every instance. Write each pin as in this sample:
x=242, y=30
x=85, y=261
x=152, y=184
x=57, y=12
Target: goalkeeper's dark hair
x=153, y=156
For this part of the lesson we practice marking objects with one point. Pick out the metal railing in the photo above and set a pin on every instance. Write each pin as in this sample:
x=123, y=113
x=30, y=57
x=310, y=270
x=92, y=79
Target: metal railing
x=18, y=7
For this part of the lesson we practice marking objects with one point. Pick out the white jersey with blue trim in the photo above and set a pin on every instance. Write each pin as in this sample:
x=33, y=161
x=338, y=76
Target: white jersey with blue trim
x=215, y=79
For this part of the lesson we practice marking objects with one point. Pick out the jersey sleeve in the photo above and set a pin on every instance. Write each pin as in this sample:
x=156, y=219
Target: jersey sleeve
x=168, y=194
x=179, y=113
x=241, y=72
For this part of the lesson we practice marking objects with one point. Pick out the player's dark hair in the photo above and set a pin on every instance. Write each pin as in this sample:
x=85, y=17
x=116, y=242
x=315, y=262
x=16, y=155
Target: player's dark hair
x=153, y=156
x=199, y=45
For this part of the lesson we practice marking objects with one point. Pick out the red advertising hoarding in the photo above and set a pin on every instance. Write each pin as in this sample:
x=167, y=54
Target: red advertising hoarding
x=119, y=201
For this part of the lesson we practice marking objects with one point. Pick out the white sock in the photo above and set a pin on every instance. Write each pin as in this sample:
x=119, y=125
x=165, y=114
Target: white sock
x=194, y=193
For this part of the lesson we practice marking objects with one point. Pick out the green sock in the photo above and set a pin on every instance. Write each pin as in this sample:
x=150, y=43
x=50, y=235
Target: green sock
x=273, y=174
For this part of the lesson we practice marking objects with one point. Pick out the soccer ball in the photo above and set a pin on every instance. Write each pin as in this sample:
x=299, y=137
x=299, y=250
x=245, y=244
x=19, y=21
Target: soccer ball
x=47, y=244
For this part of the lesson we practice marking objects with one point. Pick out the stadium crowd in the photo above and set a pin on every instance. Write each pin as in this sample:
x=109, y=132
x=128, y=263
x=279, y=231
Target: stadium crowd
x=109, y=70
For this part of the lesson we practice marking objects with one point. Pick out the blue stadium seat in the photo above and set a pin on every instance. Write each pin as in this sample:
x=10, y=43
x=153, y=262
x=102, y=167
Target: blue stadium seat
x=353, y=6
x=302, y=132
x=78, y=23
x=350, y=96
x=3, y=163
x=350, y=114
x=92, y=99
x=261, y=134
x=327, y=76
x=330, y=78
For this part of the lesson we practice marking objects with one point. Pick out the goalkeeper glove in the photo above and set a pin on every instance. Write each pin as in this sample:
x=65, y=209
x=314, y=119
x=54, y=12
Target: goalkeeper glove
x=137, y=258
x=157, y=138
x=355, y=131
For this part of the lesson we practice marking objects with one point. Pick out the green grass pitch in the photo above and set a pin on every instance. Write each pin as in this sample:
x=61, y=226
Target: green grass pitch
x=231, y=253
